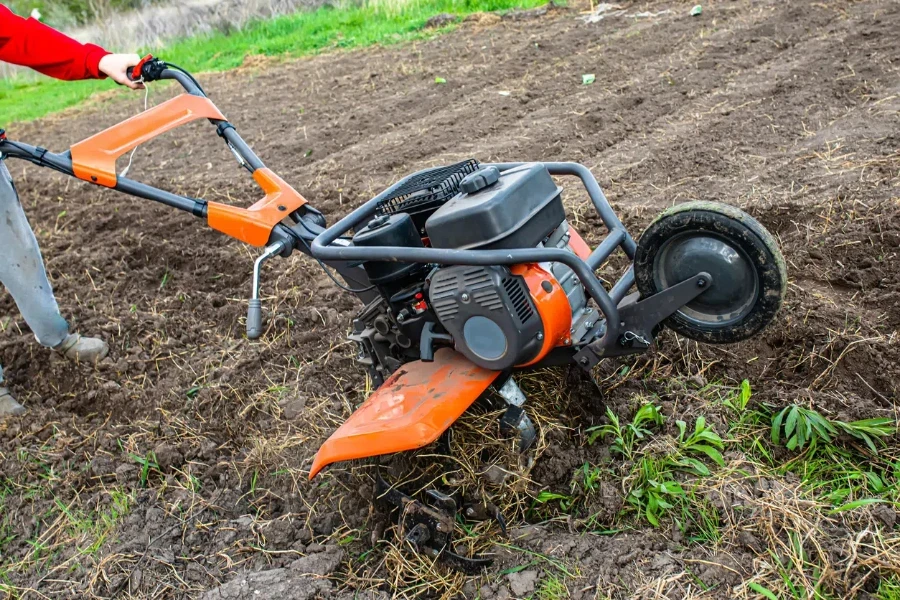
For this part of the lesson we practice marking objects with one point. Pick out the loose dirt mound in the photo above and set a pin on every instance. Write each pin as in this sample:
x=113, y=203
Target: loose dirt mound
x=181, y=463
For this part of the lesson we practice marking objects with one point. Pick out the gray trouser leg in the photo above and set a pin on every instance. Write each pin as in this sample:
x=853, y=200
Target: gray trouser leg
x=22, y=269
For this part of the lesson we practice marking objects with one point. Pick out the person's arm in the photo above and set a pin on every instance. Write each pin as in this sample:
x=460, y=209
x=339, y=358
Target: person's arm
x=30, y=43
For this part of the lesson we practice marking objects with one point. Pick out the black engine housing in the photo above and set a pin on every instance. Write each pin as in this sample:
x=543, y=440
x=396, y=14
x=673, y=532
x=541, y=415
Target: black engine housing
x=489, y=313
x=389, y=230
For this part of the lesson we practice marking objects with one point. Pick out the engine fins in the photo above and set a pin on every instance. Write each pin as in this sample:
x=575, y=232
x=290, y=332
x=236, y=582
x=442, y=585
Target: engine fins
x=518, y=295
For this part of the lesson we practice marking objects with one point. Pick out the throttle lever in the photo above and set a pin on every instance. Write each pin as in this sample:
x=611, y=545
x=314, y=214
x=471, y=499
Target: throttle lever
x=135, y=74
x=148, y=69
x=254, y=307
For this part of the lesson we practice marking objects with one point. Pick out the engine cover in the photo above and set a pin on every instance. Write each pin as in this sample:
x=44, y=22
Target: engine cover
x=514, y=209
x=490, y=314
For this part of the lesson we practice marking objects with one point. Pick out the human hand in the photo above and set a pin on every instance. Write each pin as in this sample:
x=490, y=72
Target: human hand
x=117, y=66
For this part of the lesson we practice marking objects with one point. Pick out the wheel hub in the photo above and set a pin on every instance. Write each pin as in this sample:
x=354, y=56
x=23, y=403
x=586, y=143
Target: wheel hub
x=735, y=282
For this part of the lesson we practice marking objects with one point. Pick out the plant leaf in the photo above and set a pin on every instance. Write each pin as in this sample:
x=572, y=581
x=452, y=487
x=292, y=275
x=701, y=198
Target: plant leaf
x=776, y=426
x=790, y=423
x=857, y=504
x=744, y=397
x=876, y=482
x=711, y=452
x=762, y=590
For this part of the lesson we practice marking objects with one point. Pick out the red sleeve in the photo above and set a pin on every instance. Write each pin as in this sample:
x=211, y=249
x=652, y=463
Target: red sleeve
x=30, y=43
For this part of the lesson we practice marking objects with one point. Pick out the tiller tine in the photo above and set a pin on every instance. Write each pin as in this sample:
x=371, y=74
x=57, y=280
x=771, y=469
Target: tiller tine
x=413, y=407
x=429, y=529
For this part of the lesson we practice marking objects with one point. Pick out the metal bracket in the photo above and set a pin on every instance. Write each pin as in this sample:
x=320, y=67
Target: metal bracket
x=639, y=318
x=429, y=529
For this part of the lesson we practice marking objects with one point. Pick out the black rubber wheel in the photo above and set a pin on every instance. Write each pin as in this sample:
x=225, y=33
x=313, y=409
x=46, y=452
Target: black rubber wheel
x=747, y=268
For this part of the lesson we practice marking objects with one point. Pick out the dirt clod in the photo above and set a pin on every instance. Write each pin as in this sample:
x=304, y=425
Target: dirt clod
x=323, y=563
x=441, y=20
x=522, y=583
x=168, y=456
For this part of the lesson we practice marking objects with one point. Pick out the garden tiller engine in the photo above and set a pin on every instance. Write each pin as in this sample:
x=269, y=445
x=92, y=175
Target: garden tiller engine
x=467, y=274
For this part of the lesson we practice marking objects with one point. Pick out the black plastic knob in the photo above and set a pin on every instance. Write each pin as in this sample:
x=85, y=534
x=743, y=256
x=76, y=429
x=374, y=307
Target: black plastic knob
x=480, y=179
x=379, y=221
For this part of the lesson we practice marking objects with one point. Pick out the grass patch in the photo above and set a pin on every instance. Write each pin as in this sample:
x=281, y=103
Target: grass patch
x=655, y=465
x=552, y=588
x=89, y=529
x=843, y=466
x=300, y=34
x=889, y=589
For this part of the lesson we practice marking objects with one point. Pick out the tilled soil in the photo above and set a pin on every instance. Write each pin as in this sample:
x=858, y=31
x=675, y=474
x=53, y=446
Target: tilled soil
x=788, y=110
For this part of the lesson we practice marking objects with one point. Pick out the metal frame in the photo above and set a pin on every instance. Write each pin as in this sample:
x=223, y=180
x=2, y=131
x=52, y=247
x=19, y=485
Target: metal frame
x=323, y=248
x=282, y=217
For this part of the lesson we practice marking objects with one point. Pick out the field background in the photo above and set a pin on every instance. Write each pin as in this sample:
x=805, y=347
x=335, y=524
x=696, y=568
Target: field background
x=178, y=469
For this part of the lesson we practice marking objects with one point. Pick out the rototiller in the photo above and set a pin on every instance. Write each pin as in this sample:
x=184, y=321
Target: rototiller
x=467, y=273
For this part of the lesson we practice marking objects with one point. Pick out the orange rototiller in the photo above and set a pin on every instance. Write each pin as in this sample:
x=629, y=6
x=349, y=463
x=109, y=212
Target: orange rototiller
x=467, y=274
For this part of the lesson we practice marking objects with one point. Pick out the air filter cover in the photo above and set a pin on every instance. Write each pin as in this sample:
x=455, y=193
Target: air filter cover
x=519, y=210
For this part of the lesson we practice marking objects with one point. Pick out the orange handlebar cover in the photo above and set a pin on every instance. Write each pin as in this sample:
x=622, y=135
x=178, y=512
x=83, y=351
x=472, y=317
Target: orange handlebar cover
x=94, y=159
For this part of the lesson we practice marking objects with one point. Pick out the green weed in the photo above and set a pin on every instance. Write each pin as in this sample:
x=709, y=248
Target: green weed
x=93, y=528
x=148, y=464
x=550, y=561
x=588, y=480
x=800, y=426
x=889, y=588
x=546, y=498
x=655, y=491
x=654, y=488
x=7, y=532
x=552, y=588
x=703, y=441
x=625, y=437
x=698, y=519
x=738, y=402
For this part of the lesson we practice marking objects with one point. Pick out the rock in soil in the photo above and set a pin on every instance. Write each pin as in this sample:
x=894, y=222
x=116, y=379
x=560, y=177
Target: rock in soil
x=282, y=584
x=522, y=583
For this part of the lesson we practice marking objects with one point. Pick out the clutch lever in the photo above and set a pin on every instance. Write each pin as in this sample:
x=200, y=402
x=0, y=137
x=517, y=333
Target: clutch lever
x=254, y=306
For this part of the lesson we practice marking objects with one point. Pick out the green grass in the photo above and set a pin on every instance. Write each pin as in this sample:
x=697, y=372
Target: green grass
x=90, y=529
x=294, y=35
x=889, y=588
x=552, y=588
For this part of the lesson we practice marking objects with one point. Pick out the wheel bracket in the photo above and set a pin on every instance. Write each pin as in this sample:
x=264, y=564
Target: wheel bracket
x=638, y=318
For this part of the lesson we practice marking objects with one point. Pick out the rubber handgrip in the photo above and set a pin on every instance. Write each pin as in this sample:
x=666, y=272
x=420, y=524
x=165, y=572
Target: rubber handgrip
x=254, y=319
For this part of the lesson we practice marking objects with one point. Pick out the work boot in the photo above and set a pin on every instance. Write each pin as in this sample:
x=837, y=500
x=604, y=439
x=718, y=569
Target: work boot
x=77, y=348
x=8, y=405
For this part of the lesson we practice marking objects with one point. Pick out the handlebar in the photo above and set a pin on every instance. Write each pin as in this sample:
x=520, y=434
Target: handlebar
x=151, y=68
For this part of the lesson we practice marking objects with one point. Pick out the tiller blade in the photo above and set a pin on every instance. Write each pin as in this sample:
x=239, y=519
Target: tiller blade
x=429, y=529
